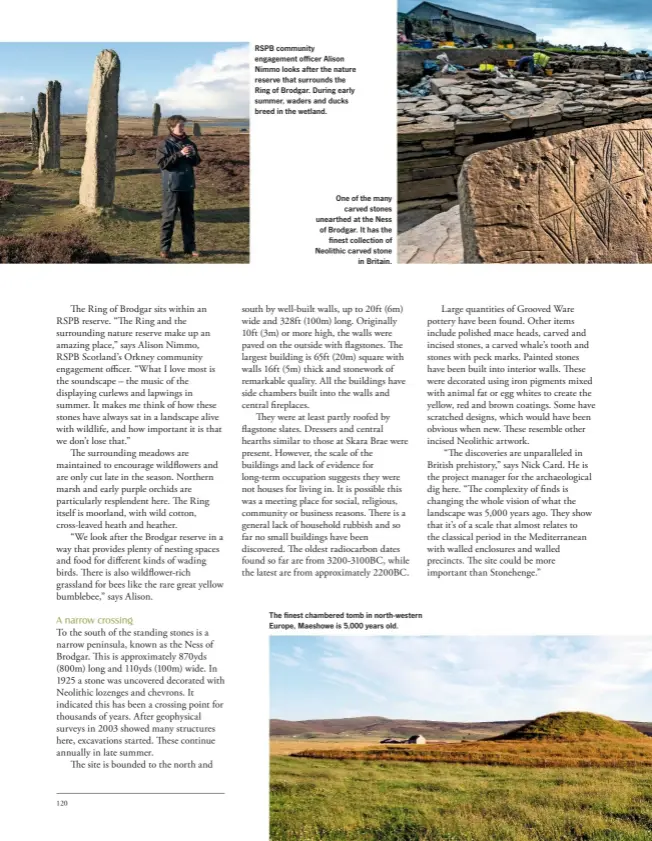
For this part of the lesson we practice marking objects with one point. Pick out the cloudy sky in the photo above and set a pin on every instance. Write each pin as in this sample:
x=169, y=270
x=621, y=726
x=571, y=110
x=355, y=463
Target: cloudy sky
x=460, y=678
x=194, y=79
x=626, y=23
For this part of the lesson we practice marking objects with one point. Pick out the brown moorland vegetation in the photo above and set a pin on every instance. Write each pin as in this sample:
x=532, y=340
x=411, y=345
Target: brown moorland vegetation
x=46, y=202
x=67, y=247
x=611, y=753
x=6, y=191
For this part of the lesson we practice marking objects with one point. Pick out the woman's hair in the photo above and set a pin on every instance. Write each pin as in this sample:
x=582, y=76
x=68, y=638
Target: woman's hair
x=174, y=119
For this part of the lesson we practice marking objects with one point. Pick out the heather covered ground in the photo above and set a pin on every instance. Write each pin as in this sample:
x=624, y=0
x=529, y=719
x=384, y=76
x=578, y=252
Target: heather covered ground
x=34, y=203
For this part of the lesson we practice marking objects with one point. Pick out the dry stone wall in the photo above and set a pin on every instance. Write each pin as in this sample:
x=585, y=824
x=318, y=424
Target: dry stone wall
x=437, y=133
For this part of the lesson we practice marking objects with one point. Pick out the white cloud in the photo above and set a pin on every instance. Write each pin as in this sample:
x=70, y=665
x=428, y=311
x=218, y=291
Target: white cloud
x=138, y=101
x=20, y=94
x=355, y=684
x=218, y=89
x=492, y=678
x=589, y=32
x=285, y=660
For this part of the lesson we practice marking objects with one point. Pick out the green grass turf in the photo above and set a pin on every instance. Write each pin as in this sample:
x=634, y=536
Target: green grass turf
x=321, y=800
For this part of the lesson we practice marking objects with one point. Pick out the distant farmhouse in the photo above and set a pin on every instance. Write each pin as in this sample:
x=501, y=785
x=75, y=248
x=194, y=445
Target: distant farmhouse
x=467, y=25
x=413, y=740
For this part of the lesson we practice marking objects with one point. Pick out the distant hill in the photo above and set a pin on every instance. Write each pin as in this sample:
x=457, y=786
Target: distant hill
x=377, y=728
x=641, y=726
x=566, y=726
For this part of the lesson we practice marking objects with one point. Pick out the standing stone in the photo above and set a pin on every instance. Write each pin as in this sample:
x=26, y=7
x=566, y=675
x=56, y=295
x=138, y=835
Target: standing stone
x=156, y=119
x=196, y=130
x=98, y=172
x=34, y=133
x=49, y=152
x=580, y=197
x=40, y=108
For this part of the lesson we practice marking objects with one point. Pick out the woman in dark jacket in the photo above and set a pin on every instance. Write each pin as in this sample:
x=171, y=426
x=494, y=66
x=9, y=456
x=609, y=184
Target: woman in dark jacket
x=177, y=157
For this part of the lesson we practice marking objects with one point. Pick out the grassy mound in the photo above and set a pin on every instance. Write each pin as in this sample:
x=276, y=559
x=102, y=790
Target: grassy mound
x=67, y=247
x=567, y=726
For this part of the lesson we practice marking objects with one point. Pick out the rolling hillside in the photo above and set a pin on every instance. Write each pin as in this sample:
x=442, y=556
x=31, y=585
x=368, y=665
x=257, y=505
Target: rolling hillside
x=377, y=728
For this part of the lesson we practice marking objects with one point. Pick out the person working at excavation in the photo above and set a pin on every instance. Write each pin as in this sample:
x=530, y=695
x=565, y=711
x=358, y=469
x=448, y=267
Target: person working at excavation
x=408, y=28
x=177, y=157
x=446, y=23
x=532, y=64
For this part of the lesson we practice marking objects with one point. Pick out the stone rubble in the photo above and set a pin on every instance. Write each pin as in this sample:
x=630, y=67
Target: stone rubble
x=464, y=115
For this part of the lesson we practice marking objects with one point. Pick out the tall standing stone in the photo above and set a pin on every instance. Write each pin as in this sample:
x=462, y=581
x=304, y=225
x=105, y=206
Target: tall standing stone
x=34, y=133
x=49, y=152
x=156, y=119
x=40, y=108
x=196, y=130
x=98, y=172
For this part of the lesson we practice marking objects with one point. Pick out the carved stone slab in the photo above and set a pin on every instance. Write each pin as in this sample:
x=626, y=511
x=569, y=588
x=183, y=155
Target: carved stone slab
x=581, y=197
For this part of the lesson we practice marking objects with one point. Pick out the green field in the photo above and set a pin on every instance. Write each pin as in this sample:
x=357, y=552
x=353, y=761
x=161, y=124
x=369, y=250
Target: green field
x=356, y=800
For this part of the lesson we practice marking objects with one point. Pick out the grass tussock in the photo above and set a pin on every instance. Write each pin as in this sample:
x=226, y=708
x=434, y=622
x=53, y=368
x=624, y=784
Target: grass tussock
x=315, y=800
x=7, y=190
x=68, y=247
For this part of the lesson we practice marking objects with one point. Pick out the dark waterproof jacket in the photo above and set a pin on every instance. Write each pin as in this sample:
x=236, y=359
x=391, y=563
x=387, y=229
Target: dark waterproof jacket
x=177, y=171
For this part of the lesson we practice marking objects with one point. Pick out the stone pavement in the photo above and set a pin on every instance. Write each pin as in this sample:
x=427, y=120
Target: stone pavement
x=437, y=240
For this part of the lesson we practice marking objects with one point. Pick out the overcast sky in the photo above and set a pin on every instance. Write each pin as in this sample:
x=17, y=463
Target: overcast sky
x=625, y=23
x=194, y=79
x=460, y=678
